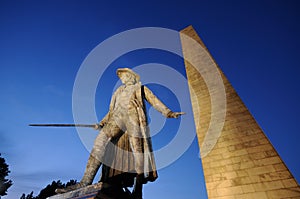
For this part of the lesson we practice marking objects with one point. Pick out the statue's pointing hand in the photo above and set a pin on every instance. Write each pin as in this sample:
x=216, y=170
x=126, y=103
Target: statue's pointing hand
x=175, y=114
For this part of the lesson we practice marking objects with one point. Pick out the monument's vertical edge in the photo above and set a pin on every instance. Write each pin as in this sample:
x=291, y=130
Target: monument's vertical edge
x=243, y=163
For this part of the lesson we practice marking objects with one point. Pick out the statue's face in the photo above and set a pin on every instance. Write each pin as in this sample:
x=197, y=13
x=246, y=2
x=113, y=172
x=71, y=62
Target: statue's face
x=126, y=78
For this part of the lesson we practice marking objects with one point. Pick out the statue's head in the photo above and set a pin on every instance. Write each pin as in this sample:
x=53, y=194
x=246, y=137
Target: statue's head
x=128, y=76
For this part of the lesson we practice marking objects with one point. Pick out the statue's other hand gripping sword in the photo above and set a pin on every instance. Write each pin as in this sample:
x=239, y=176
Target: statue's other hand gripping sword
x=94, y=126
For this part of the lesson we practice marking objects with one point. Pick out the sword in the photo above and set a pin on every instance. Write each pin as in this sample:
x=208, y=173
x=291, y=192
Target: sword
x=95, y=126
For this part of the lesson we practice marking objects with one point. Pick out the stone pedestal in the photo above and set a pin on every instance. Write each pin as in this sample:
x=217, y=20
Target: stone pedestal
x=96, y=191
x=88, y=192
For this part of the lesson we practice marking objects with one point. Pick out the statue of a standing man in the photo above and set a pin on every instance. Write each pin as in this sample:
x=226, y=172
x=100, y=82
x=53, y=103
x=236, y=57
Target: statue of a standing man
x=127, y=115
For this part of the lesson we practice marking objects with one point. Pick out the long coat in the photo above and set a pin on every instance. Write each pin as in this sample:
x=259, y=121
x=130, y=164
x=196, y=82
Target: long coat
x=123, y=158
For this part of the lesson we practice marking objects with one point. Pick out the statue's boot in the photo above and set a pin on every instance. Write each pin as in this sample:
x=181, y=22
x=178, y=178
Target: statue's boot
x=88, y=177
x=137, y=192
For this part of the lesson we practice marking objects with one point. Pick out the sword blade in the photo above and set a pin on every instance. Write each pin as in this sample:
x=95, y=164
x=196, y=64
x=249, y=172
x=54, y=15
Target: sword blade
x=65, y=125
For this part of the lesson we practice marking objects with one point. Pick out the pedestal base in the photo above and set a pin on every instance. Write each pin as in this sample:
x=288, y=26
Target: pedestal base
x=88, y=192
x=95, y=191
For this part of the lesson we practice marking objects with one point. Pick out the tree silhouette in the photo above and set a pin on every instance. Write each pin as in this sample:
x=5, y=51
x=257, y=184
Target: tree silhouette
x=49, y=190
x=4, y=183
x=29, y=196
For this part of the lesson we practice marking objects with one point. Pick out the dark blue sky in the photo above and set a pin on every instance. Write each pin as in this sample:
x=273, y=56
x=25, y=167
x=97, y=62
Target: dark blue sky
x=43, y=44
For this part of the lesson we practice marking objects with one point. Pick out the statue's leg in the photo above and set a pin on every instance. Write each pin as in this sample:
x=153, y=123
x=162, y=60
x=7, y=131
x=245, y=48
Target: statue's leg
x=108, y=132
x=91, y=169
x=94, y=162
x=135, y=138
x=136, y=145
x=137, y=192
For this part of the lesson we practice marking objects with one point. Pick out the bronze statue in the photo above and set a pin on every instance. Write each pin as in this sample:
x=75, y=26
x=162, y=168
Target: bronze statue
x=125, y=125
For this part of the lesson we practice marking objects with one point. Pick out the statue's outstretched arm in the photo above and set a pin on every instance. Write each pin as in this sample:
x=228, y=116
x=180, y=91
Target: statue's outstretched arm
x=158, y=105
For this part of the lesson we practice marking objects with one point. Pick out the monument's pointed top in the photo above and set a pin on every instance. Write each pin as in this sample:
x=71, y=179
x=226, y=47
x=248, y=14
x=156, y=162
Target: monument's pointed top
x=191, y=32
x=190, y=27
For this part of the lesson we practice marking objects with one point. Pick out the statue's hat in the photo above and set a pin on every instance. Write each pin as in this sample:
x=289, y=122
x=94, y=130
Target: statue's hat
x=128, y=70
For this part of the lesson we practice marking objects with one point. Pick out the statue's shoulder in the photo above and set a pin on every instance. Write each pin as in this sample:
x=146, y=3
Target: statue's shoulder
x=139, y=87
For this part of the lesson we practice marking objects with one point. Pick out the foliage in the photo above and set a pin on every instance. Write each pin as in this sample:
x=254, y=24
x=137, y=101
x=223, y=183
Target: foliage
x=4, y=183
x=49, y=190
x=29, y=196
